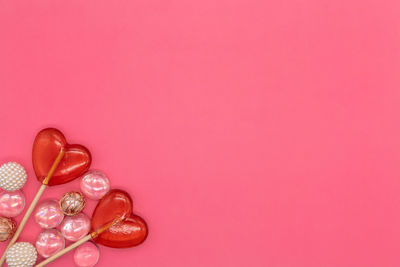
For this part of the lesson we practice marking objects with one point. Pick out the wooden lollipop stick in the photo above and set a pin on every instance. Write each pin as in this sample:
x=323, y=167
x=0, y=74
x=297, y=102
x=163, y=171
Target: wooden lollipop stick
x=65, y=250
x=33, y=204
x=78, y=243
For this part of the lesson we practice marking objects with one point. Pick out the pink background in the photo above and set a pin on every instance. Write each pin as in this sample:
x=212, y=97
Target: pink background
x=249, y=132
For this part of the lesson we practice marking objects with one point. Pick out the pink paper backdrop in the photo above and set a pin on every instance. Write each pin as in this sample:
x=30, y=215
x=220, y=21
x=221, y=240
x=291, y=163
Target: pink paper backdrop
x=249, y=132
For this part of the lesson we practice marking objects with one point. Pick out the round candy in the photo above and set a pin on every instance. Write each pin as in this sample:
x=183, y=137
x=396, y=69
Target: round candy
x=7, y=228
x=49, y=242
x=86, y=255
x=75, y=227
x=48, y=214
x=11, y=203
x=72, y=203
x=95, y=184
x=12, y=176
x=21, y=254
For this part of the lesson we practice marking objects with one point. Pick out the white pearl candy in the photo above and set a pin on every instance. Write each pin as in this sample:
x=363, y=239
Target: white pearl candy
x=12, y=176
x=21, y=254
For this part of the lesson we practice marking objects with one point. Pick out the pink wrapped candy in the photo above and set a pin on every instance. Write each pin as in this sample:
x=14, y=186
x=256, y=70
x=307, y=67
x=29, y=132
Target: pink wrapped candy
x=75, y=227
x=48, y=214
x=86, y=255
x=49, y=242
x=95, y=184
x=11, y=203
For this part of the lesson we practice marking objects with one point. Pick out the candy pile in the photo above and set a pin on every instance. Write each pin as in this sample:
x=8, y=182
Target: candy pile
x=12, y=200
x=62, y=220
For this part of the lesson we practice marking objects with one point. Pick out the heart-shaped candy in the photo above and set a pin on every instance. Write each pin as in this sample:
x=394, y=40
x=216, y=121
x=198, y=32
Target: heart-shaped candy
x=128, y=233
x=46, y=147
x=116, y=204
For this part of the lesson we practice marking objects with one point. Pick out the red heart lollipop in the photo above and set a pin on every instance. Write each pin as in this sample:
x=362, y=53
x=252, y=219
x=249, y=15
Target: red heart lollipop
x=48, y=144
x=113, y=225
x=128, y=233
x=116, y=204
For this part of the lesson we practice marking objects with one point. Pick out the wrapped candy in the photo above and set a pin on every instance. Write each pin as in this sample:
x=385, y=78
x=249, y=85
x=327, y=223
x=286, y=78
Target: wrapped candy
x=95, y=184
x=7, y=228
x=11, y=203
x=55, y=162
x=72, y=203
x=75, y=227
x=113, y=225
x=87, y=255
x=48, y=214
x=49, y=242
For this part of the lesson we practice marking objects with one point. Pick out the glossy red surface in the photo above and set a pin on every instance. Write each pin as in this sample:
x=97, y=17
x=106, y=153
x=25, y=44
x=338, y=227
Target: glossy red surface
x=46, y=147
x=130, y=232
x=115, y=204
